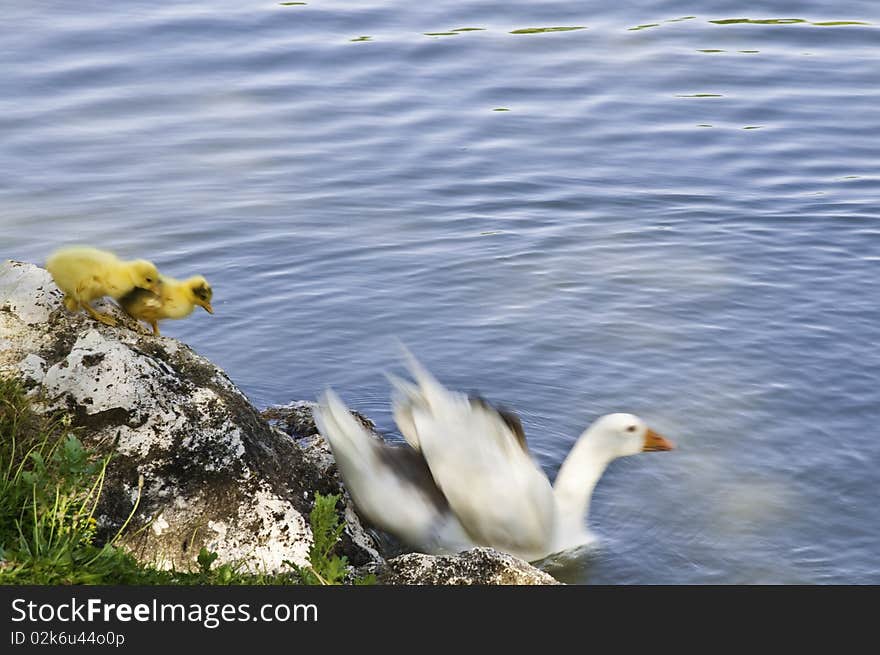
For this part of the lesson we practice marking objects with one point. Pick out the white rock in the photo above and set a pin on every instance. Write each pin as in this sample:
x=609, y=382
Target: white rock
x=159, y=525
x=478, y=566
x=275, y=523
x=33, y=368
x=28, y=292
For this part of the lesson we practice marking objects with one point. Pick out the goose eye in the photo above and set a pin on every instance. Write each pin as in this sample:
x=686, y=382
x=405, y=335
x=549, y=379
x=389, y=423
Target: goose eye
x=149, y=279
x=631, y=428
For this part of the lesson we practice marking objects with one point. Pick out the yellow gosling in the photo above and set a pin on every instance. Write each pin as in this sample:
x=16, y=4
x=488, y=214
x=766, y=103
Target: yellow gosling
x=85, y=274
x=175, y=299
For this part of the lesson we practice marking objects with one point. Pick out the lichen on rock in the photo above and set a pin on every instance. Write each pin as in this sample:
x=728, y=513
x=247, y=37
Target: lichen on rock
x=478, y=566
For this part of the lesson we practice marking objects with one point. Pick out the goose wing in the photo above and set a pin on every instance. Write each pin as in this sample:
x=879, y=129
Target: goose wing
x=392, y=487
x=478, y=460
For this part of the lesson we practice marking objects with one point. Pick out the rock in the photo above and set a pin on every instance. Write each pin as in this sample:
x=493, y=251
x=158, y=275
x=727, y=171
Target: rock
x=296, y=420
x=478, y=566
x=214, y=473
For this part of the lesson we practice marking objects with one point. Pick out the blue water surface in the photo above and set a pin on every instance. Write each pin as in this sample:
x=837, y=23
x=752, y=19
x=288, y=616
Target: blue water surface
x=668, y=208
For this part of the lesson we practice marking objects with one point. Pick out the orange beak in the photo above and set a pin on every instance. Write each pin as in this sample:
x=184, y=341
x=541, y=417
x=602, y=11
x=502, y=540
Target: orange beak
x=654, y=441
x=208, y=307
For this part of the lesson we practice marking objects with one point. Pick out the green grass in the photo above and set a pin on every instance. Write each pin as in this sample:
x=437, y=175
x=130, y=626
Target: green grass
x=325, y=567
x=50, y=485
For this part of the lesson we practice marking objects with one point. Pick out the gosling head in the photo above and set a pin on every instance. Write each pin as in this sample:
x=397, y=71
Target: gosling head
x=145, y=275
x=626, y=434
x=201, y=292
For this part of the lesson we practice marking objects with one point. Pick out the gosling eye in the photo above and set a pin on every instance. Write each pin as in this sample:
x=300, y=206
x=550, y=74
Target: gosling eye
x=631, y=428
x=149, y=279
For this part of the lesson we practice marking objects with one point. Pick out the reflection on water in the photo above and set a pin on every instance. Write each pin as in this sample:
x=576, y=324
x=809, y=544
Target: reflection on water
x=786, y=21
x=646, y=26
x=750, y=21
x=540, y=30
x=545, y=220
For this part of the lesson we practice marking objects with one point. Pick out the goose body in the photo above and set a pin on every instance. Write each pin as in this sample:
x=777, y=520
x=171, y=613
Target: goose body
x=466, y=477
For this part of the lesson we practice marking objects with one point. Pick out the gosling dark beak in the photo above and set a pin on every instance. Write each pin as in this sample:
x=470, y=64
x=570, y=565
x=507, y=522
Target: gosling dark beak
x=207, y=307
x=654, y=441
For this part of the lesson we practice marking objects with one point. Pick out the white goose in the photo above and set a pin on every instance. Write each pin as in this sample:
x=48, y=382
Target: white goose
x=467, y=477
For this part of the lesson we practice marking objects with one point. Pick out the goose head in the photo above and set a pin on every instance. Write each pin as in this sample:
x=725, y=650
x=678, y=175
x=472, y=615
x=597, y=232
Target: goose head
x=200, y=292
x=609, y=437
x=620, y=435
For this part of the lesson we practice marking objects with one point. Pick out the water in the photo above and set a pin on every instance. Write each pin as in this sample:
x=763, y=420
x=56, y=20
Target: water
x=679, y=220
